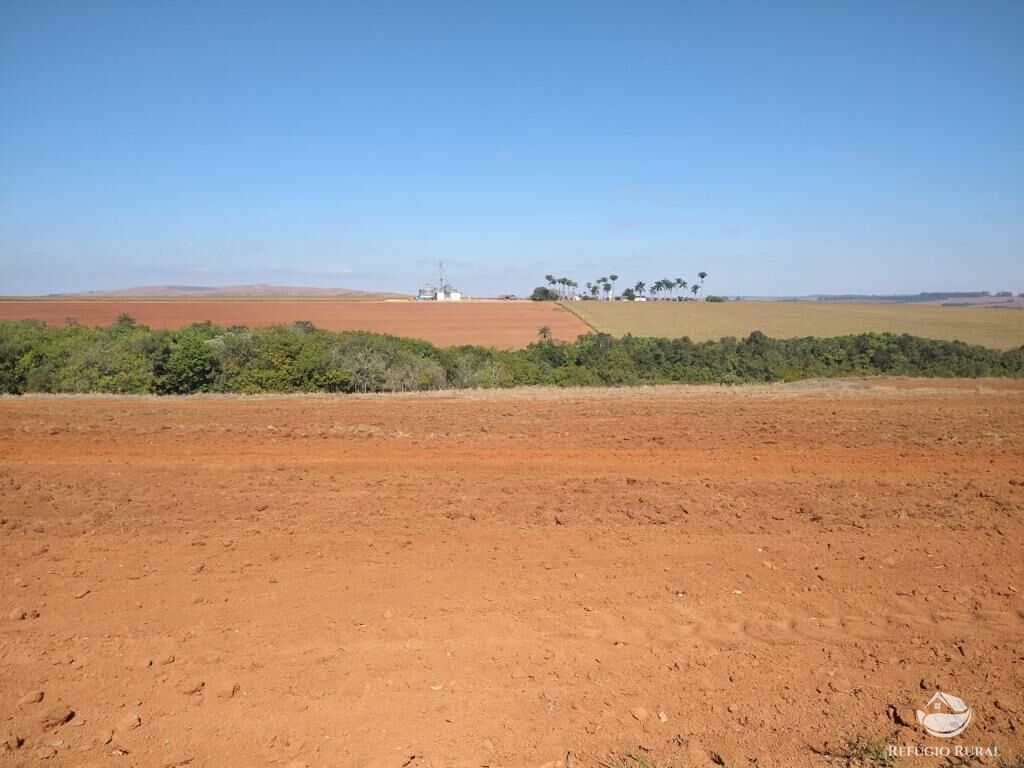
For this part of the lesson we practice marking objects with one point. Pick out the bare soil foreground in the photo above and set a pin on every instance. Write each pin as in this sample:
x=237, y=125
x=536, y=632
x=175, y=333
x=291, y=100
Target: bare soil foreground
x=511, y=579
x=502, y=324
x=702, y=321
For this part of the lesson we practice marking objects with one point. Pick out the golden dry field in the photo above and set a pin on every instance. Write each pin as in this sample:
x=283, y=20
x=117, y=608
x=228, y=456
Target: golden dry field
x=702, y=321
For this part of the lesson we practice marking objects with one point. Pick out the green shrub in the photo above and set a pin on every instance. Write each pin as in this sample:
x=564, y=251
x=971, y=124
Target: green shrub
x=132, y=359
x=540, y=293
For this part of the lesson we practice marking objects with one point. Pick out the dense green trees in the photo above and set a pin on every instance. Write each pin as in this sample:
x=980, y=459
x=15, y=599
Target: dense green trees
x=604, y=288
x=540, y=293
x=565, y=287
x=127, y=358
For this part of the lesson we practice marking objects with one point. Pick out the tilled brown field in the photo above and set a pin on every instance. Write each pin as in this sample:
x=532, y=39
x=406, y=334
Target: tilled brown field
x=515, y=579
x=502, y=324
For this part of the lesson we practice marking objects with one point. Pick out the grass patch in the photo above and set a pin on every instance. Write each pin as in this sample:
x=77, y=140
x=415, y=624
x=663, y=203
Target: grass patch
x=633, y=759
x=862, y=752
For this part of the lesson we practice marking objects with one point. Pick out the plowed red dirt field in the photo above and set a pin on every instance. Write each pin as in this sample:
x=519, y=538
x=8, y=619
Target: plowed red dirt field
x=502, y=324
x=510, y=579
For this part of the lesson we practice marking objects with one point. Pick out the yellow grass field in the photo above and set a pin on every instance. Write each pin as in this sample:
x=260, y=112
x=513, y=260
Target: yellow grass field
x=701, y=321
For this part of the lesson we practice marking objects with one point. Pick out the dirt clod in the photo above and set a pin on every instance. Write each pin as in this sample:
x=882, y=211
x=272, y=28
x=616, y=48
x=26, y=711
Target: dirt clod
x=32, y=697
x=128, y=723
x=640, y=713
x=9, y=742
x=55, y=717
x=44, y=752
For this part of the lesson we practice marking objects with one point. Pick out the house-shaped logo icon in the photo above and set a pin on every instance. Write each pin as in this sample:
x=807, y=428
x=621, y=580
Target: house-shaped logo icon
x=945, y=715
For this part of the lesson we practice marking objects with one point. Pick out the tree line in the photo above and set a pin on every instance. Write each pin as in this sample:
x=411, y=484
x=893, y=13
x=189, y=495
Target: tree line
x=127, y=358
x=603, y=289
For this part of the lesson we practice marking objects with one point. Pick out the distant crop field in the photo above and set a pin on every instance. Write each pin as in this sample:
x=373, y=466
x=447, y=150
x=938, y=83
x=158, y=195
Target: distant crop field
x=701, y=321
x=502, y=324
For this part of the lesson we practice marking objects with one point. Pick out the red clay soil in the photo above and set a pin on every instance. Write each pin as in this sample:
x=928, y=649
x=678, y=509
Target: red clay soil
x=511, y=579
x=502, y=324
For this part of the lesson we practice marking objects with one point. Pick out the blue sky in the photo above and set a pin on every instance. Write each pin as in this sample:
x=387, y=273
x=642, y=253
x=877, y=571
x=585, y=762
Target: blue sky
x=784, y=147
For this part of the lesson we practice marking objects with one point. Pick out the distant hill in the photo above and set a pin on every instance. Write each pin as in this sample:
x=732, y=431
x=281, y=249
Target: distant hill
x=228, y=291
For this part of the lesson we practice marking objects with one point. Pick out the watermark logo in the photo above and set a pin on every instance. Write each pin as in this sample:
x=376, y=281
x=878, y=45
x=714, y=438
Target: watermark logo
x=944, y=716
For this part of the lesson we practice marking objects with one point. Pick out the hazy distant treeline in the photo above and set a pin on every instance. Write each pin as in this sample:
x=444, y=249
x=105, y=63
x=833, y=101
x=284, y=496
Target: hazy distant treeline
x=909, y=298
x=133, y=359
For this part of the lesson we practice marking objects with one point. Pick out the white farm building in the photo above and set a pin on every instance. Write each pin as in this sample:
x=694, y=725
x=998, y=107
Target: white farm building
x=443, y=291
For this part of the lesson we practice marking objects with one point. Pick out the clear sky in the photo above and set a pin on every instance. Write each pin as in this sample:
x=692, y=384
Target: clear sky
x=784, y=147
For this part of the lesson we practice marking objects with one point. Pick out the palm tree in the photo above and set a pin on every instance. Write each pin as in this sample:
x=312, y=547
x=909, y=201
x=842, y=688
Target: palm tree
x=594, y=289
x=681, y=284
x=694, y=289
x=602, y=281
x=613, y=278
x=702, y=275
x=640, y=287
x=574, y=285
x=544, y=333
x=551, y=280
x=590, y=288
